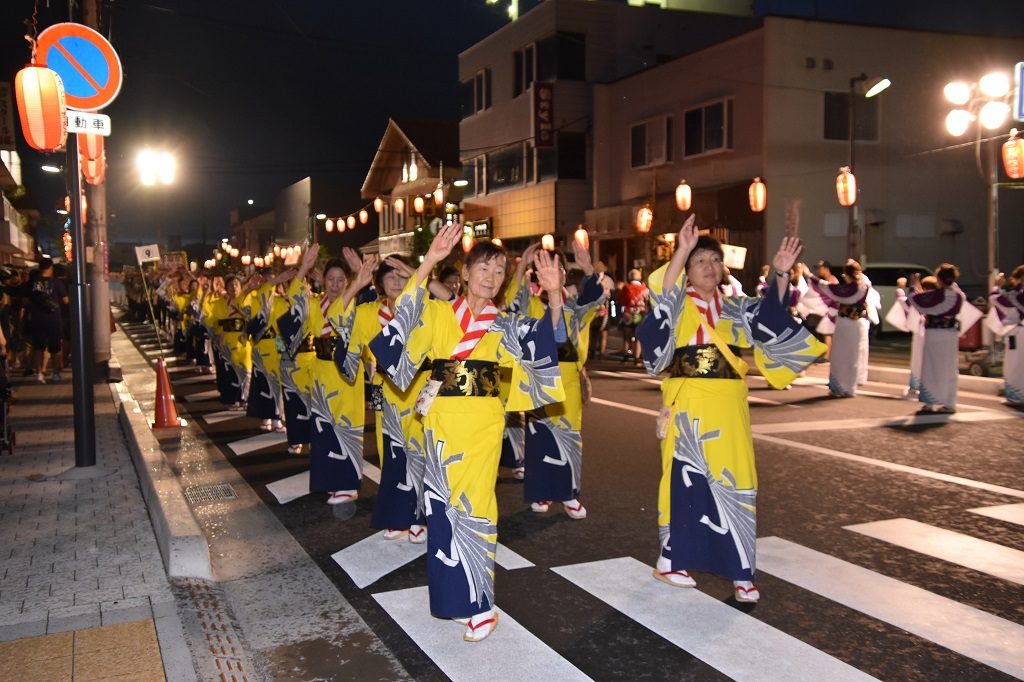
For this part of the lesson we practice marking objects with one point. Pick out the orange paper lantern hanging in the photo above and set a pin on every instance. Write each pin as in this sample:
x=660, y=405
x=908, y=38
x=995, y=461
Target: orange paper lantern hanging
x=363, y=216
x=41, y=106
x=329, y=225
x=846, y=187
x=378, y=205
x=90, y=146
x=644, y=219
x=400, y=206
x=1013, y=156
x=350, y=221
x=684, y=197
x=467, y=242
x=95, y=170
x=758, y=195
x=582, y=237
x=418, y=205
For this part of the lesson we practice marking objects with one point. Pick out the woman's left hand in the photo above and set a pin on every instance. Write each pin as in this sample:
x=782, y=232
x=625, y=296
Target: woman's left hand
x=583, y=258
x=549, y=275
x=788, y=252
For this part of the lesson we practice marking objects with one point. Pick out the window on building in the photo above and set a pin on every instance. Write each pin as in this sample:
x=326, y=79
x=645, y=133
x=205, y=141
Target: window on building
x=523, y=70
x=469, y=175
x=505, y=168
x=476, y=94
x=562, y=57
x=528, y=158
x=708, y=129
x=650, y=142
x=837, y=117
x=572, y=156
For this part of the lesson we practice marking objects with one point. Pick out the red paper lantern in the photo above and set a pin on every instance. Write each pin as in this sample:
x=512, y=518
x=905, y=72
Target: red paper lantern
x=1013, y=156
x=758, y=194
x=90, y=146
x=95, y=170
x=684, y=196
x=40, y=95
x=846, y=187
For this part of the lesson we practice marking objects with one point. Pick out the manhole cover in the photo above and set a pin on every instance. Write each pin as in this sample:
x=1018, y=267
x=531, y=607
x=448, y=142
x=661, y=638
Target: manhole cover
x=196, y=494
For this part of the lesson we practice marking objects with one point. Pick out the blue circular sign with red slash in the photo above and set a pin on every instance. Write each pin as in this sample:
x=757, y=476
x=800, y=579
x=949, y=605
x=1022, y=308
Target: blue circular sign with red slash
x=85, y=61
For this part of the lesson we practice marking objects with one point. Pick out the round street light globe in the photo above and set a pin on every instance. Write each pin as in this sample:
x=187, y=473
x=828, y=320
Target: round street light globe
x=958, y=93
x=994, y=84
x=994, y=114
x=250, y=202
x=957, y=122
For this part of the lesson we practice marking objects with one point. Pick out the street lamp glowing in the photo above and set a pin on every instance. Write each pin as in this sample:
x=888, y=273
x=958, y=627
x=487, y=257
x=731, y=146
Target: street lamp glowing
x=994, y=84
x=51, y=169
x=994, y=114
x=957, y=121
x=155, y=167
x=250, y=202
x=878, y=87
x=957, y=93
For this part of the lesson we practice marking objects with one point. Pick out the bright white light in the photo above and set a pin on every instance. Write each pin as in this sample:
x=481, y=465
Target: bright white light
x=994, y=84
x=61, y=211
x=882, y=84
x=250, y=202
x=994, y=114
x=167, y=168
x=414, y=172
x=321, y=216
x=50, y=169
x=958, y=93
x=957, y=122
x=461, y=183
x=155, y=167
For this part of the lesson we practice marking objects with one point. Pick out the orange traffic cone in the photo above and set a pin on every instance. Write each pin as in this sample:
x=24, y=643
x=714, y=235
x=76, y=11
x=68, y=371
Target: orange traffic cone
x=166, y=413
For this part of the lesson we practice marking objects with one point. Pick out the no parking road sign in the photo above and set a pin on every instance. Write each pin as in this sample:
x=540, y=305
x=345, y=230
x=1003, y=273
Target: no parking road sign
x=85, y=61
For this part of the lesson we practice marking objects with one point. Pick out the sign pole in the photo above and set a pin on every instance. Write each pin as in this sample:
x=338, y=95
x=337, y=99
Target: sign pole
x=81, y=337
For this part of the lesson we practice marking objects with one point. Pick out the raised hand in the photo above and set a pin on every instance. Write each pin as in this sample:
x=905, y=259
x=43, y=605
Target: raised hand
x=285, y=276
x=583, y=258
x=309, y=258
x=688, y=235
x=352, y=259
x=444, y=241
x=789, y=251
x=549, y=276
x=364, y=274
x=398, y=266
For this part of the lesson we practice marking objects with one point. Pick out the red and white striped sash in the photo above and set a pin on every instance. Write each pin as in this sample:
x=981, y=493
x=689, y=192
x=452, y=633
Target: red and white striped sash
x=473, y=329
x=384, y=315
x=710, y=310
x=327, y=329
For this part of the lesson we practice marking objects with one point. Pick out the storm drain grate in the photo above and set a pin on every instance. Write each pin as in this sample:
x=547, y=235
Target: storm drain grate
x=196, y=494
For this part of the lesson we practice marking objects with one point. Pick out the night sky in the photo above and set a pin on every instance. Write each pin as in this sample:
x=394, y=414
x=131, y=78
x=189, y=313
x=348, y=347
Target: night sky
x=254, y=95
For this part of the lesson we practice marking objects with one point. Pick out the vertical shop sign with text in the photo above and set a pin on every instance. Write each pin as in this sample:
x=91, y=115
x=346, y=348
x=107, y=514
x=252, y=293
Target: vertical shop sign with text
x=544, y=115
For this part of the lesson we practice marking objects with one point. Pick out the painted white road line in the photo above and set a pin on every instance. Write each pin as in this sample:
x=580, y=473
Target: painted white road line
x=1014, y=513
x=623, y=406
x=792, y=445
x=222, y=416
x=204, y=395
x=372, y=558
x=441, y=641
x=260, y=442
x=626, y=585
x=180, y=368
x=291, y=488
x=964, y=550
x=981, y=415
x=961, y=628
x=202, y=378
x=509, y=560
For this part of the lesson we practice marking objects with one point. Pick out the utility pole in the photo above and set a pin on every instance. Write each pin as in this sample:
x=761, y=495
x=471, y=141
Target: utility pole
x=100, y=287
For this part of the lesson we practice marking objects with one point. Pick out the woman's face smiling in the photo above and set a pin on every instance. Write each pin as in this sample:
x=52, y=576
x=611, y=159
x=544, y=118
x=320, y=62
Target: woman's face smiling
x=334, y=283
x=704, y=271
x=485, y=277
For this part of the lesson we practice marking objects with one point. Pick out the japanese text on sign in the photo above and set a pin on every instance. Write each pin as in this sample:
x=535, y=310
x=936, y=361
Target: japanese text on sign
x=81, y=122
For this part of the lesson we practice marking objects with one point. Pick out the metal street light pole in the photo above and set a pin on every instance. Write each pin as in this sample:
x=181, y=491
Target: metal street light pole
x=854, y=248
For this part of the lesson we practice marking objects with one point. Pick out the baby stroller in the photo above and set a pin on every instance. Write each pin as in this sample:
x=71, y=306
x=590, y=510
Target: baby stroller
x=6, y=432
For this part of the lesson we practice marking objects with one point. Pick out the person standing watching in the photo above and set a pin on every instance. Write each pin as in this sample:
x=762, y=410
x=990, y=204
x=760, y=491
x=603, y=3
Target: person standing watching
x=45, y=296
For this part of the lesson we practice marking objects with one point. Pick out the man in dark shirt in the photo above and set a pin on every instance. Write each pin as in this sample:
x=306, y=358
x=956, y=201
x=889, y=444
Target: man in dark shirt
x=44, y=296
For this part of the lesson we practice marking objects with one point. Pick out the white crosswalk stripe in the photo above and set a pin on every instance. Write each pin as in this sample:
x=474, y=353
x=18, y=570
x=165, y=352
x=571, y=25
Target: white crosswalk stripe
x=964, y=629
x=205, y=395
x=259, y=442
x=974, y=553
x=222, y=416
x=487, y=660
x=1014, y=513
x=290, y=488
x=688, y=617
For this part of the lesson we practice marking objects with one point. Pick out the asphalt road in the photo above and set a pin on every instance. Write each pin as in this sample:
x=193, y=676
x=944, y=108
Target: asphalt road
x=890, y=546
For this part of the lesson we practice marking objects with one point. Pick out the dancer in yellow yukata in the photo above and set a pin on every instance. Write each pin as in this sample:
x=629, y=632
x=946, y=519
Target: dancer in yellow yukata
x=553, y=443
x=706, y=499
x=337, y=407
x=262, y=308
x=399, y=506
x=466, y=341
x=224, y=315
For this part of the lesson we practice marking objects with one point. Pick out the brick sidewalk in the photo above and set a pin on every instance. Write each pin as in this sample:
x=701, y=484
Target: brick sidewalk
x=75, y=555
